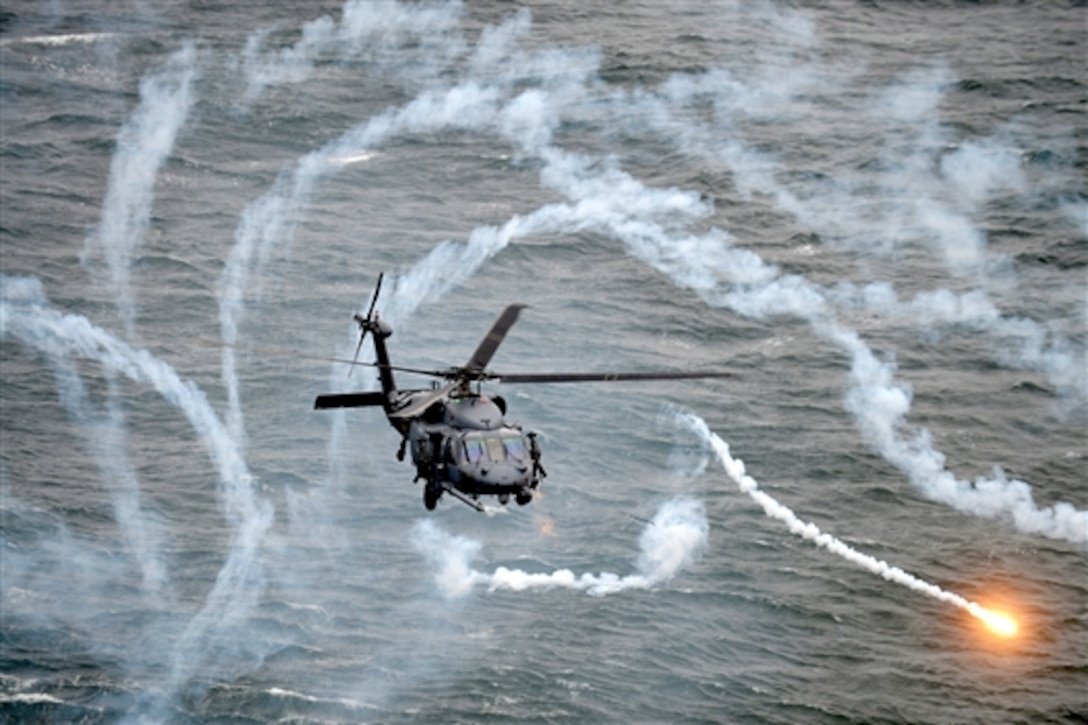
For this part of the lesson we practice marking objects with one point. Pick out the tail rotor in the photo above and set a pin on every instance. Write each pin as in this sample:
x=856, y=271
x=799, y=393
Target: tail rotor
x=366, y=324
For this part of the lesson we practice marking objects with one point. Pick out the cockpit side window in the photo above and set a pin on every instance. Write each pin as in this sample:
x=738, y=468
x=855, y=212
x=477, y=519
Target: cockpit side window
x=474, y=450
x=515, y=447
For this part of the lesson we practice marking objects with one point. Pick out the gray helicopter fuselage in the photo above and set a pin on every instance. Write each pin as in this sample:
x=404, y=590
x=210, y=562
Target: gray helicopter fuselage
x=465, y=439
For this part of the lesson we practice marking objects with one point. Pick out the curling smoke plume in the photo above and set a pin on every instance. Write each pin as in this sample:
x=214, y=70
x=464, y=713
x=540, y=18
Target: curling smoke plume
x=268, y=221
x=659, y=225
x=775, y=510
x=25, y=315
x=675, y=538
x=929, y=185
x=104, y=436
x=614, y=203
x=143, y=144
x=367, y=30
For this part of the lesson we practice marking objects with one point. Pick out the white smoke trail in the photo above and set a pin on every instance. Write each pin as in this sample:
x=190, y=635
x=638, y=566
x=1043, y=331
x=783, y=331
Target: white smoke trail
x=104, y=437
x=880, y=407
x=878, y=403
x=268, y=222
x=1020, y=343
x=469, y=105
x=675, y=538
x=472, y=104
x=477, y=103
x=652, y=224
x=928, y=189
x=143, y=144
x=26, y=316
x=265, y=222
x=925, y=191
x=367, y=30
x=614, y=203
x=809, y=531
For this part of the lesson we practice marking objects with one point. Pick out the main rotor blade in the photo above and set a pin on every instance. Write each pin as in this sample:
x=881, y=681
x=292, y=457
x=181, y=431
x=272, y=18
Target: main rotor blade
x=418, y=407
x=399, y=368
x=494, y=338
x=600, y=377
x=374, y=299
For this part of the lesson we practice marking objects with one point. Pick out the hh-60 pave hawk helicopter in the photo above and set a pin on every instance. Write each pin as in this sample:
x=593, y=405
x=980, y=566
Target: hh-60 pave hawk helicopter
x=459, y=439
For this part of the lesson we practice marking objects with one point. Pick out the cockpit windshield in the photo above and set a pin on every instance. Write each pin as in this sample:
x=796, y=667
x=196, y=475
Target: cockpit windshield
x=495, y=448
x=515, y=447
x=474, y=450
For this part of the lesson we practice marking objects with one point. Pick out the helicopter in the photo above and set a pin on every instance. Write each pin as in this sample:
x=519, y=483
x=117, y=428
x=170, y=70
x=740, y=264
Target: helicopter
x=459, y=438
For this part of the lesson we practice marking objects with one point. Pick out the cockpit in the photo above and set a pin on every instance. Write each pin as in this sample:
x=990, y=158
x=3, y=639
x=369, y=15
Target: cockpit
x=507, y=445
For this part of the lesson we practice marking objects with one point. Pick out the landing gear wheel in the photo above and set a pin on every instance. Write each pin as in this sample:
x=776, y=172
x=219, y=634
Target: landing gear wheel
x=524, y=496
x=431, y=494
x=432, y=490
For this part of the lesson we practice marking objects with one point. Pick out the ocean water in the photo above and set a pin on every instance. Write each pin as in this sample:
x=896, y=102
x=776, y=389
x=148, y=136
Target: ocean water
x=874, y=214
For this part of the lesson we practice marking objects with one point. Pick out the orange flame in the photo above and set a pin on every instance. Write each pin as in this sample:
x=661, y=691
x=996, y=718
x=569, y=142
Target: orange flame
x=1000, y=623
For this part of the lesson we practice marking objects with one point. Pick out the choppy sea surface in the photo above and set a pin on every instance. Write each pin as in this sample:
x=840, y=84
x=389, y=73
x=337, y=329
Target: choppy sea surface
x=873, y=213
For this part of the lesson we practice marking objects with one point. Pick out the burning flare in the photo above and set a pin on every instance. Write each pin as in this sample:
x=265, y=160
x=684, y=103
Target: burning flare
x=1000, y=623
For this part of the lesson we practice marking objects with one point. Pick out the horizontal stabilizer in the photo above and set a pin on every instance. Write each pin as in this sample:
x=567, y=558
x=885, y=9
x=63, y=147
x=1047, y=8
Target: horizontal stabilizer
x=349, y=400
